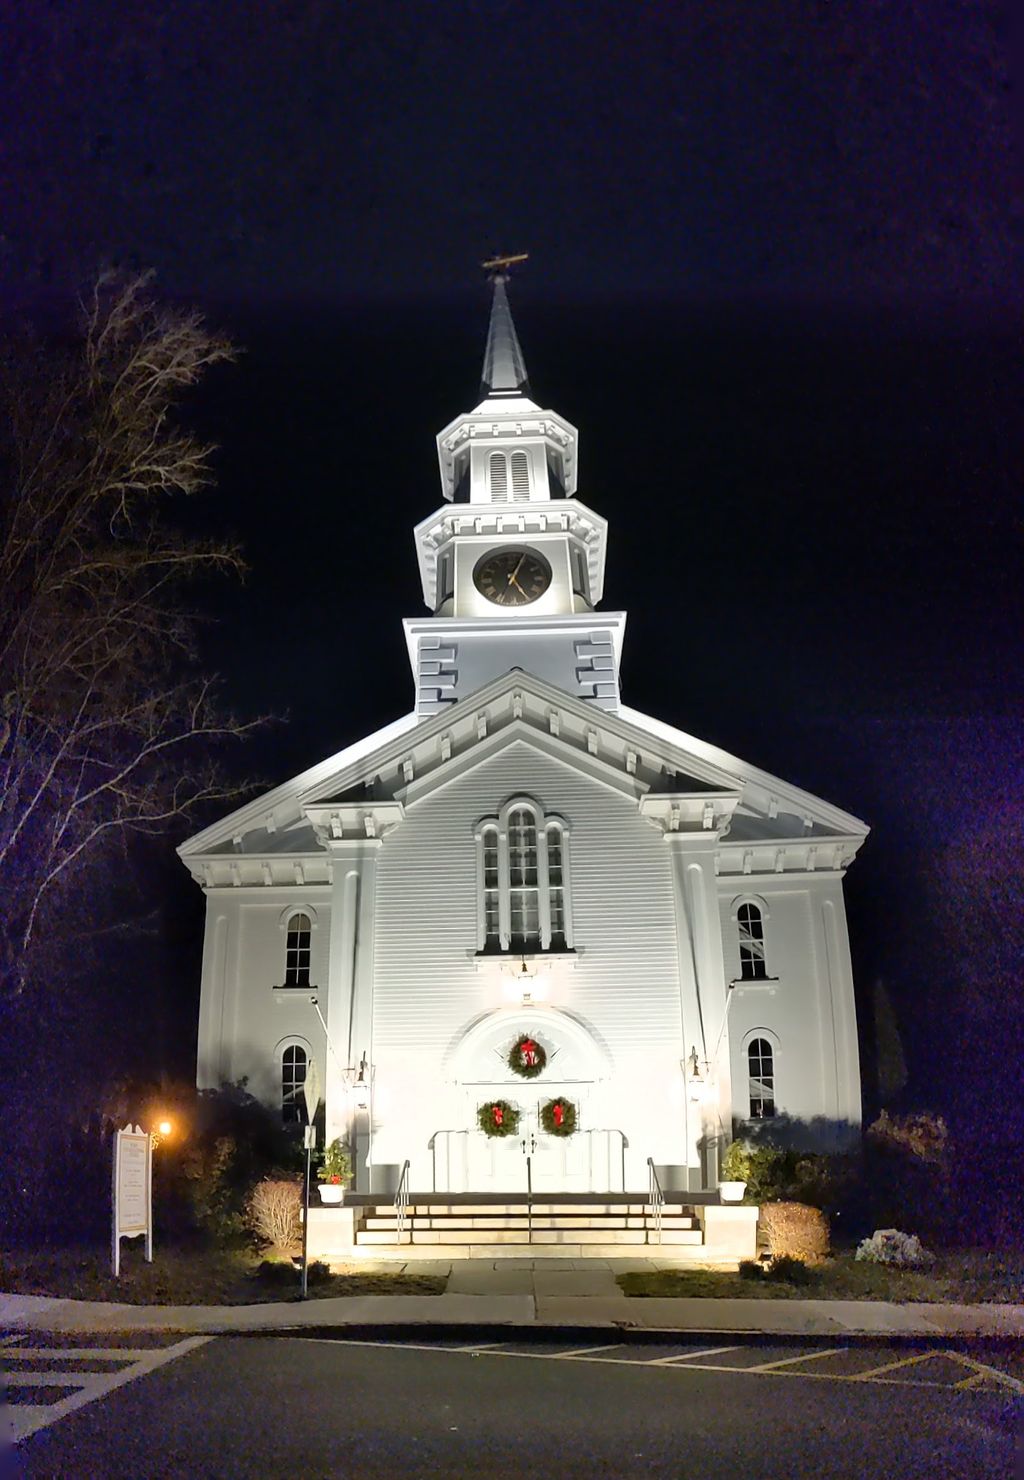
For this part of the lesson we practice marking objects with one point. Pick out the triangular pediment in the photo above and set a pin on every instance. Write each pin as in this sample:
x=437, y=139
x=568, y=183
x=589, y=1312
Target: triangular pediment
x=629, y=751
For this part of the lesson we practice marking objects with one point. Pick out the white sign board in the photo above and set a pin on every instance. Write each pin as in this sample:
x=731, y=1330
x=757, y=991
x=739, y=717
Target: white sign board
x=132, y=1192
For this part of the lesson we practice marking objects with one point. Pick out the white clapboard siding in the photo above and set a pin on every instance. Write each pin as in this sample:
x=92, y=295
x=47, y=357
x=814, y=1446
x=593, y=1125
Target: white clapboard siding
x=427, y=986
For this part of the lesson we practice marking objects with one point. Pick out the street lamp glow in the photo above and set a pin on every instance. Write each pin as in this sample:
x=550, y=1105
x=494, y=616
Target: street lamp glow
x=164, y=1127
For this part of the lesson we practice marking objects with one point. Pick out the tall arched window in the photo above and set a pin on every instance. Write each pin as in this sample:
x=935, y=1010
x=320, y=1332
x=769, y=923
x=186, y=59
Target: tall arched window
x=750, y=925
x=523, y=877
x=297, y=951
x=498, y=470
x=294, y=1062
x=524, y=890
x=492, y=908
x=761, y=1078
x=556, y=884
x=520, y=478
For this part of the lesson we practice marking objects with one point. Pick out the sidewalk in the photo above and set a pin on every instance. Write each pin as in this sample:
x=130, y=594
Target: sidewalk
x=534, y=1297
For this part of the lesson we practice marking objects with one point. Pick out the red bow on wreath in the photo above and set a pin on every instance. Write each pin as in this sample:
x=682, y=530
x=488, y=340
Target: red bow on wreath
x=498, y=1114
x=528, y=1052
x=558, y=1112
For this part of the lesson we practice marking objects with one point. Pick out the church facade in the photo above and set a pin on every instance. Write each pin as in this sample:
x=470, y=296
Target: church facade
x=525, y=917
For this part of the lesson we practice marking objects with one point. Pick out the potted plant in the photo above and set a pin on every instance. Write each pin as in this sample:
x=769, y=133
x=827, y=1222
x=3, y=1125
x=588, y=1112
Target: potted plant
x=732, y=1183
x=335, y=1171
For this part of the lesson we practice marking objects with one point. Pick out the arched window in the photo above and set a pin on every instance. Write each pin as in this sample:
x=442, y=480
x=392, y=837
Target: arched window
x=523, y=874
x=556, y=885
x=294, y=1062
x=492, y=909
x=750, y=925
x=498, y=469
x=520, y=478
x=524, y=891
x=761, y=1078
x=297, y=951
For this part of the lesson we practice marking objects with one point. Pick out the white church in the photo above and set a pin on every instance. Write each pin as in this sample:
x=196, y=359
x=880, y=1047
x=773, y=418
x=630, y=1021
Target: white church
x=525, y=921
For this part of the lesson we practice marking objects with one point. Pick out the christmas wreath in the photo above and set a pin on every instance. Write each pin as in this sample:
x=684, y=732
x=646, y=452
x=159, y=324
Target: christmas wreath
x=498, y=1118
x=526, y=1057
x=558, y=1117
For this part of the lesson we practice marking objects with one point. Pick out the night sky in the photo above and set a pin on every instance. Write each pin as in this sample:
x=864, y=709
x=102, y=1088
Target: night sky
x=774, y=279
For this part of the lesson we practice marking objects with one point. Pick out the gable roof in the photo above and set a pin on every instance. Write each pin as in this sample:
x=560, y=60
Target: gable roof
x=410, y=757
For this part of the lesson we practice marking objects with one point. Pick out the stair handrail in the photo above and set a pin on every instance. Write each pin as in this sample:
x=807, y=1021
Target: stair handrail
x=655, y=1196
x=401, y=1201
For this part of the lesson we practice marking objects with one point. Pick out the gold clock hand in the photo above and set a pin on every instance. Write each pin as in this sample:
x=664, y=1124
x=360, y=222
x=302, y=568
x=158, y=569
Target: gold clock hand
x=512, y=578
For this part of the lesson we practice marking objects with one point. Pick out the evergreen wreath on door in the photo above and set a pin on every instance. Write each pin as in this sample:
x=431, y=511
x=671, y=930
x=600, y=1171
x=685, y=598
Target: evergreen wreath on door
x=498, y=1118
x=526, y=1057
x=558, y=1117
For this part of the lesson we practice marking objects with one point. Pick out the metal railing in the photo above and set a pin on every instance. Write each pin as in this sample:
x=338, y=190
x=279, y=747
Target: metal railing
x=655, y=1197
x=401, y=1202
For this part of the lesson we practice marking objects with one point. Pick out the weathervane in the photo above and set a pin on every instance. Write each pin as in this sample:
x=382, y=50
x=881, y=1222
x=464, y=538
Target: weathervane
x=498, y=266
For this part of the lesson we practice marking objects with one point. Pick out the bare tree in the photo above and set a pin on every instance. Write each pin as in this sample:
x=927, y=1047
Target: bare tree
x=107, y=727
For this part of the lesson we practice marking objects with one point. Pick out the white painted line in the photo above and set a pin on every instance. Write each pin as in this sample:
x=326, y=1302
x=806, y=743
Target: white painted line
x=580, y=1351
x=708, y=1351
x=770, y=1370
x=831, y=1351
x=982, y=1371
x=475, y=1346
x=28, y=1418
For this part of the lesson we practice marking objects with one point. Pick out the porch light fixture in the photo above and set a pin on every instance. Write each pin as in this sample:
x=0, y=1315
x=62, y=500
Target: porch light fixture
x=361, y=1086
x=696, y=1081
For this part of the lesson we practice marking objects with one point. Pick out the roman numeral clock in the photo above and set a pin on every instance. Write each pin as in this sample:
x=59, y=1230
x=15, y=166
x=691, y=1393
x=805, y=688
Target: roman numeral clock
x=512, y=577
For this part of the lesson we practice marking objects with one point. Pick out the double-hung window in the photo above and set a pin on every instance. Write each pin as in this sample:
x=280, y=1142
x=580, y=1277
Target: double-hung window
x=522, y=858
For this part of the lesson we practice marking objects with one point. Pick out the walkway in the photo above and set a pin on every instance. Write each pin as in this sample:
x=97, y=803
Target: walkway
x=534, y=1294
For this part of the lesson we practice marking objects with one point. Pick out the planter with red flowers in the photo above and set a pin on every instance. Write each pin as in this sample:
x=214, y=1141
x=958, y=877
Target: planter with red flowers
x=558, y=1117
x=498, y=1118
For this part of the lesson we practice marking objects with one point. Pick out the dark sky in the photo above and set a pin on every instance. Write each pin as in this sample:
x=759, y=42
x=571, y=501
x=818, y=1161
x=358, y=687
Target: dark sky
x=775, y=282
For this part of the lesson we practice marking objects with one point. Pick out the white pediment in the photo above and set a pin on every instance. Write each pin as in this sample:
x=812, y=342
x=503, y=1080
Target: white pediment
x=629, y=751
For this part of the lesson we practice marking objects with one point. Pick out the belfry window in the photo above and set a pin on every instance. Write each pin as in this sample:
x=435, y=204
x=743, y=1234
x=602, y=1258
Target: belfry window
x=498, y=469
x=523, y=881
x=750, y=925
x=761, y=1079
x=297, y=951
x=294, y=1062
x=520, y=478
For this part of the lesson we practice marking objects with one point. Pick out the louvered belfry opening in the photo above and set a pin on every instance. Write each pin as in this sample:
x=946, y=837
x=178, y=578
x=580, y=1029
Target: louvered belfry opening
x=520, y=478
x=498, y=465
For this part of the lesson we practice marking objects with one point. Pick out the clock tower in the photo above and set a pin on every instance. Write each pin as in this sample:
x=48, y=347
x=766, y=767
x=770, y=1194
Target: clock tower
x=513, y=565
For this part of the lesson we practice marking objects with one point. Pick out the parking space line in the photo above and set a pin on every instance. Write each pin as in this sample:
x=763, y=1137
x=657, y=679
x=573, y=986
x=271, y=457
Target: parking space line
x=975, y=1380
x=873, y=1373
x=688, y=1363
x=25, y=1419
x=474, y=1346
x=981, y=1371
x=832, y=1351
x=709, y=1351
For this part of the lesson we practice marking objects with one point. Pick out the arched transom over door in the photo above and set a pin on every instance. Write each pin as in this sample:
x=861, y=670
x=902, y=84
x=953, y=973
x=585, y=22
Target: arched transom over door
x=575, y=1069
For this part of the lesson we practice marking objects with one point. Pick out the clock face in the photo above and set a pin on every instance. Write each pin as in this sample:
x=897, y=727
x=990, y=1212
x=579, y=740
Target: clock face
x=512, y=577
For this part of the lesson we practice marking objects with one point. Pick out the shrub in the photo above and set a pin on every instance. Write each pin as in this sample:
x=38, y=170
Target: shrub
x=922, y=1136
x=277, y=1272
x=317, y=1272
x=795, y=1230
x=750, y=1269
x=890, y=1246
x=206, y=1167
x=785, y=1270
x=274, y=1213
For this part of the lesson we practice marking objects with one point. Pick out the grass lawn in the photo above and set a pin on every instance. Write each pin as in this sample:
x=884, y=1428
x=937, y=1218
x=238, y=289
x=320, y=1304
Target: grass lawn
x=182, y=1277
x=967, y=1276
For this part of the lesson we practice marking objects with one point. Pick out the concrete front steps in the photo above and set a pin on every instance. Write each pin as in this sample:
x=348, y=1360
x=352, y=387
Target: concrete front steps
x=435, y=1230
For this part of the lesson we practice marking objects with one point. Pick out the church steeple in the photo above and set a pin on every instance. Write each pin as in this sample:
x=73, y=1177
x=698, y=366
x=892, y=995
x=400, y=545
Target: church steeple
x=504, y=371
